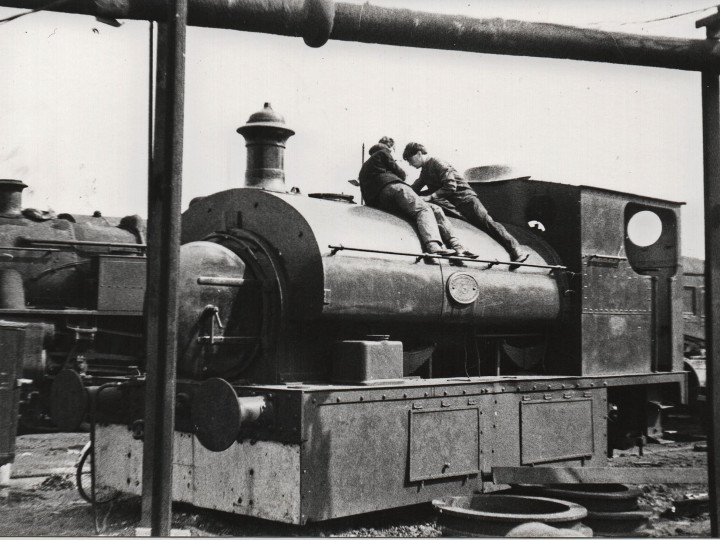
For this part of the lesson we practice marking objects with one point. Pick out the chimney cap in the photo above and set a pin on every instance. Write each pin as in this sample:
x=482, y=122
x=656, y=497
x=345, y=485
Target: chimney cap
x=266, y=117
x=11, y=183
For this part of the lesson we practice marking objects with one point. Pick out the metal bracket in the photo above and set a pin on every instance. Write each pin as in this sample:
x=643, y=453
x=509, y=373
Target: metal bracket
x=216, y=338
x=596, y=259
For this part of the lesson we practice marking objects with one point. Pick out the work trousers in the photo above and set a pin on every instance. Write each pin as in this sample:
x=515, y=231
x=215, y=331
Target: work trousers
x=446, y=231
x=473, y=210
x=400, y=199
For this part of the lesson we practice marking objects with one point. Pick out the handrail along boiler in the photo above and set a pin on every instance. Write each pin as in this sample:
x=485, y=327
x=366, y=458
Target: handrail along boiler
x=326, y=369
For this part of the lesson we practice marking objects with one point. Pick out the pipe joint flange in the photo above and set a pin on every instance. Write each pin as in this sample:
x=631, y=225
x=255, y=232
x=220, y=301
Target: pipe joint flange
x=318, y=22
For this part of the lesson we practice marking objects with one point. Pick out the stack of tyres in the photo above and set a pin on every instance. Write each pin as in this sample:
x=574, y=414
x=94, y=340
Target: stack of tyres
x=497, y=515
x=613, y=509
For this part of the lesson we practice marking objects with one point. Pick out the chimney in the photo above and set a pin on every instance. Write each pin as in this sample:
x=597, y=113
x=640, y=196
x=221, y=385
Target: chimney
x=11, y=198
x=265, y=136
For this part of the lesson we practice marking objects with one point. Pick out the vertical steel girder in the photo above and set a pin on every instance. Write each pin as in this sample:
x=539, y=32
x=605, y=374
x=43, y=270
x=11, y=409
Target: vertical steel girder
x=711, y=164
x=164, y=195
x=711, y=155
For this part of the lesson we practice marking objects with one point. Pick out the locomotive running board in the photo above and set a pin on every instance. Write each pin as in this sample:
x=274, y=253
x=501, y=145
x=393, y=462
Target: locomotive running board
x=599, y=475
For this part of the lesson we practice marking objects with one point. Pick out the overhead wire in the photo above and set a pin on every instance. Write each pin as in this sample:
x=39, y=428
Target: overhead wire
x=672, y=16
x=659, y=19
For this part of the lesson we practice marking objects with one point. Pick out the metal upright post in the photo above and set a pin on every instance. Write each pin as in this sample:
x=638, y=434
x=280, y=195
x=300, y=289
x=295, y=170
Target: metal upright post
x=164, y=194
x=711, y=151
x=711, y=159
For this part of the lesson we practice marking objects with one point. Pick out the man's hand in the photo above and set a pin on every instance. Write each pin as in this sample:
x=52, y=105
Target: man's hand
x=427, y=198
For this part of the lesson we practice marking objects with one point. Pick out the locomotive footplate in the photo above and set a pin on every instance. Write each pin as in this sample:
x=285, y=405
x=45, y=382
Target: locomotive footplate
x=316, y=452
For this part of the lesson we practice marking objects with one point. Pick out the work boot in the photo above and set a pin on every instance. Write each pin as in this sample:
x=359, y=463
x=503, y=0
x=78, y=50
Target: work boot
x=435, y=248
x=519, y=256
x=468, y=254
x=460, y=250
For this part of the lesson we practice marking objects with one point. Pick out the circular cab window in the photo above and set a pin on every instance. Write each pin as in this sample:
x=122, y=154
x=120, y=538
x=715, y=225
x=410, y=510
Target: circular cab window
x=644, y=228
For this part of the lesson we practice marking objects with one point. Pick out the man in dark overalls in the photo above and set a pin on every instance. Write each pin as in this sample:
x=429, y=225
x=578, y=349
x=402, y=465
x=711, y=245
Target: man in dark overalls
x=382, y=183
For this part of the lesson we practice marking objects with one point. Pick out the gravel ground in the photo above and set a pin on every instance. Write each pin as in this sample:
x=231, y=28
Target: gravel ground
x=42, y=500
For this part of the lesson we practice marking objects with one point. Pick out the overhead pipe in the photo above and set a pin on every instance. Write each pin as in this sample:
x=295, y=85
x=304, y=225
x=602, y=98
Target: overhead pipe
x=319, y=20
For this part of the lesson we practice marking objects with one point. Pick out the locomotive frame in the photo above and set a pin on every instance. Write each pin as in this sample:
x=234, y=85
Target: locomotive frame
x=710, y=78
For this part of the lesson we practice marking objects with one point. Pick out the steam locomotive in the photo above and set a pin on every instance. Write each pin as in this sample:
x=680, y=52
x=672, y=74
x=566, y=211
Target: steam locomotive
x=327, y=367
x=71, y=303
x=71, y=298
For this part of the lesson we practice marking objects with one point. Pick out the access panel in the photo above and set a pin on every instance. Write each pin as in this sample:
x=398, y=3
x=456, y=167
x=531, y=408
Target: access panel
x=444, y=443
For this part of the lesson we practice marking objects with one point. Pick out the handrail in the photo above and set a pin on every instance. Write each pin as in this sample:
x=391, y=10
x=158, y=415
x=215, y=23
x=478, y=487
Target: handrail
x=451, y=258
x=86, y=243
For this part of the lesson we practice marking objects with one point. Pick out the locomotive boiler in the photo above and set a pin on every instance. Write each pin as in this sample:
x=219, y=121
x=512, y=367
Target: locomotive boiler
x=71, y=296
x=326, y=367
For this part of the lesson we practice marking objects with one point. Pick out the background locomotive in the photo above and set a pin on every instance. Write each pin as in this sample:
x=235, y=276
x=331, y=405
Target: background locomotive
x=694, y=324
x=71, y=297
x=326, y=369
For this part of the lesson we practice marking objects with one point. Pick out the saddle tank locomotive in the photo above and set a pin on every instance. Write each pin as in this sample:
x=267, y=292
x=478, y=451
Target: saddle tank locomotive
x=326, y=368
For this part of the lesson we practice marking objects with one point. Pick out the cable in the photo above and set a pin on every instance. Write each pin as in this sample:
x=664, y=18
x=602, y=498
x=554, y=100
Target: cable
x=672, y=16
x=658, y=19
x=49, y=5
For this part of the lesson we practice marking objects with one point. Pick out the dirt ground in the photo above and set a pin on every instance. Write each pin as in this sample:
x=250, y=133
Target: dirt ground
x=42, y=499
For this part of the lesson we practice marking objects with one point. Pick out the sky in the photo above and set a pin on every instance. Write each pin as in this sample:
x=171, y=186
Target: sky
x=75, y=107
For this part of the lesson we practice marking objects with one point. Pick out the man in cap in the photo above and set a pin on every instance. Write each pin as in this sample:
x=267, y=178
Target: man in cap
x=446, y=186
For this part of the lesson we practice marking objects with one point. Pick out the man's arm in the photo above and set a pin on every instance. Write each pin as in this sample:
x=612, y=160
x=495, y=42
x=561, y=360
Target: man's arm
x=394, y=168
x=418, y=184
x=448, y=182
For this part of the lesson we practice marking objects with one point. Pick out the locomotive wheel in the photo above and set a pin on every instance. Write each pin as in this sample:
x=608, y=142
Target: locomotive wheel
x=83, y=479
